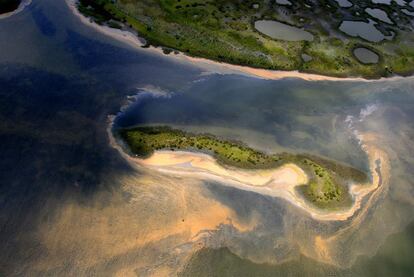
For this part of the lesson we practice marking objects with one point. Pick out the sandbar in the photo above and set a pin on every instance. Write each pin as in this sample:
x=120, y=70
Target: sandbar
x=280, y=182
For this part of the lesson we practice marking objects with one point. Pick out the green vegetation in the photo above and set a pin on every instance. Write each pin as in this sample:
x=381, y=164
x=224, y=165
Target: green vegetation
x=321, y=188
x=327, y=185
x=8, y=5
x=223, y=30
x=144, y=140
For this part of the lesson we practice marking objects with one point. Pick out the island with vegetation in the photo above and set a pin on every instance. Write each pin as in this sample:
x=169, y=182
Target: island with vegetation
x=326, y=37
x=328, y=180
x=7, y=6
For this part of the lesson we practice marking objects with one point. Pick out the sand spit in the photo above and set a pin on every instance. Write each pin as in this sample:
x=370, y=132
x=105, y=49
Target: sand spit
x=279, y=182
x=189, y=162
x=21, y=7
x=210, y=66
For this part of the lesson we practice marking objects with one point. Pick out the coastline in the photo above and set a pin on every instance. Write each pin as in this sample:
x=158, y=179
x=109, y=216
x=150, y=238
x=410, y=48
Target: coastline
x=211, y=66
x=21, y=7
x=207, y=168
x=280, y=182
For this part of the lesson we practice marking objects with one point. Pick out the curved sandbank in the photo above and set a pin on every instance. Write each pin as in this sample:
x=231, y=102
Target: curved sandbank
x=211, y=66
x=21, y=7
x=280, y=182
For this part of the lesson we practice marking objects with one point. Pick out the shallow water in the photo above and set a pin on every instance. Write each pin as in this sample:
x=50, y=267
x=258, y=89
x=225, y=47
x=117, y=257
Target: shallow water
x=344, y=3
x=365, y=55
x=278, y=30
x=365, y=30
x=379, y=14
x=283, y=2
x=71, y=205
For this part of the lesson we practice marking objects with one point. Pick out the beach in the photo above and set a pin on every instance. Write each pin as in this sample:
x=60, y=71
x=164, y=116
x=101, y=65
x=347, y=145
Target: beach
x=280, y=182
x=210, y=66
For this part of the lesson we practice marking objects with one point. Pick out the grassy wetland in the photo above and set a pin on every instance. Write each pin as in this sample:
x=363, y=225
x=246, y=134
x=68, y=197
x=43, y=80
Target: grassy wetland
x=225, y=31
x=327, y=187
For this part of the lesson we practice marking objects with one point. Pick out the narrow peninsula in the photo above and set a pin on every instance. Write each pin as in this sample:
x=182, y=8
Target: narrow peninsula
x=327, y=185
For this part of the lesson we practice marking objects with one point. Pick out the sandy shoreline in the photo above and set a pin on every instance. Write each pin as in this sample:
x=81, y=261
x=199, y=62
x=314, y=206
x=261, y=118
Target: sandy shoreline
x=211, y=66
x=280, y=182
x=21, y=7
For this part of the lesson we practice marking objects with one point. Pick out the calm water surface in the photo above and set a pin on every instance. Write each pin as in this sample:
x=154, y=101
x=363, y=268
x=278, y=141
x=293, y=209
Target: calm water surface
x=59, y=81
x=278, y=30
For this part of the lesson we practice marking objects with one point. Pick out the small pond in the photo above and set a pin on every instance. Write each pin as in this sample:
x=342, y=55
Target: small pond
x=278, y=30
x=379, y=14
x=366, y=56
x=283, y=2
x=388, y=2
x=407, y=12
x=306, y=57
x=344, y=3
x=362, y=29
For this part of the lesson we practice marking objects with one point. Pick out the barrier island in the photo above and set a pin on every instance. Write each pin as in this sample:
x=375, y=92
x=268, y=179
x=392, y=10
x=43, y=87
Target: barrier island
x=362, y=39
x=328, y=180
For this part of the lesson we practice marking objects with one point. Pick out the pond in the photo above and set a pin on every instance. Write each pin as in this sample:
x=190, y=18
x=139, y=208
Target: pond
x=281, y=31
x=284, y=2
x=379, y=14
x=365, y=55
x=388, y=2
x=362, y=29
x=344, y=3
x=407, y=12
x=306, y=57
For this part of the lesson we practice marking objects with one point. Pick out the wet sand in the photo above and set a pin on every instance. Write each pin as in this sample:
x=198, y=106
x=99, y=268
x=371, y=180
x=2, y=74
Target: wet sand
x=210, y=66
x=190, y=162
